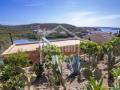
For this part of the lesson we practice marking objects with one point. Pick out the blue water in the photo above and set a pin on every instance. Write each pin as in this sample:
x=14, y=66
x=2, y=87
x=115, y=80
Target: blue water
x=113, y=31
x=22, y=41
x=1, y=61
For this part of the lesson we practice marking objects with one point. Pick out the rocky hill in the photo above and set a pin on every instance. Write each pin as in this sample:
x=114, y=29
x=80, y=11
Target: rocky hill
x=26, y=32
x=47, y=26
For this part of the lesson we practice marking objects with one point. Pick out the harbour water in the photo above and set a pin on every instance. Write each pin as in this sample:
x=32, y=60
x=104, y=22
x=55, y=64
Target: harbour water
x=113, y=31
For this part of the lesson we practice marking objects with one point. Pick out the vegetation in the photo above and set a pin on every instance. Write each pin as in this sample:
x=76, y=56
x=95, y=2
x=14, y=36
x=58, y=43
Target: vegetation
x=53, y=62
x=38, y=69
x=111, y=49
x=5, y=40
x=25, y=32
x=48, y=52
x=92, y=49
x=116, y=74
x=93, y=84
x=74, y=64
x=12, y=76
x=18, y=59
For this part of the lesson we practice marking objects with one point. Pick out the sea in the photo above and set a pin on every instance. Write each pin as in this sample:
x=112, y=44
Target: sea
x=113, y=31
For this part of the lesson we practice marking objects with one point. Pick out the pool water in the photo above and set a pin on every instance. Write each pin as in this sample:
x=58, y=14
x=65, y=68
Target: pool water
x=22, y=41
x=1, y=61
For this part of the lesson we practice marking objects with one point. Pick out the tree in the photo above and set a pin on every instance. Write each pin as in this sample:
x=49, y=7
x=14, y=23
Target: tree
x=53, y=60
x=111, y=50
x=49, y=51
x=90, y=48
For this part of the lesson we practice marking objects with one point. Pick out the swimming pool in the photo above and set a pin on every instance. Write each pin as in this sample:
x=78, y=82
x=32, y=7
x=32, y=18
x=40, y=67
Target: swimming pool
x=1, y=61
x=22, y=41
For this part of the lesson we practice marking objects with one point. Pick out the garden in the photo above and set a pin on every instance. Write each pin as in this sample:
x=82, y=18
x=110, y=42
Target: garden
x=97, y=68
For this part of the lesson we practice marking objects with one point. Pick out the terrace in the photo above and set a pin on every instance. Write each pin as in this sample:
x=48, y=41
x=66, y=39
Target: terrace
x=68, y=47
x=66, y=64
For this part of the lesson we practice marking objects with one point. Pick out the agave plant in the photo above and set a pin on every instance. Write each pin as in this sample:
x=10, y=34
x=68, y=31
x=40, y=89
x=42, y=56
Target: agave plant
x=53, y=63
x=116, y=74
x=57, y=72
x=74, y=64
x=94, y=84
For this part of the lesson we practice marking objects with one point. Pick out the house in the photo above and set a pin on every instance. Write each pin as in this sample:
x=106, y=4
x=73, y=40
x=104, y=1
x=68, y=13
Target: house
x=67, y=46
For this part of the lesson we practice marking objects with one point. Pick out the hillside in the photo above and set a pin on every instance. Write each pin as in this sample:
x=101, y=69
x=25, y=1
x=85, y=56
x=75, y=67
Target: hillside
x=25, y=32
x=47, y=26
x=22, y=29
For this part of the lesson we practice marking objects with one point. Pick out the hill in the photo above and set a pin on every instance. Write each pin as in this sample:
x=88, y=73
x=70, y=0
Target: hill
x=26, y=32
x=48, y=26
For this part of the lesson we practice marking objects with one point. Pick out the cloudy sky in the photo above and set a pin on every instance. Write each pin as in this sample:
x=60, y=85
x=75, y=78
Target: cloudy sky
x=76, y=12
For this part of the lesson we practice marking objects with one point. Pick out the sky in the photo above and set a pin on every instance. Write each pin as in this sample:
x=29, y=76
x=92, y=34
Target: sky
x=75, y=12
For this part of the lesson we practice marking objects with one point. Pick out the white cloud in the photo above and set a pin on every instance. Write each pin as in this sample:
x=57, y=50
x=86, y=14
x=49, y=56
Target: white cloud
x=81, y=13
x=89, y=18
x=110, y=17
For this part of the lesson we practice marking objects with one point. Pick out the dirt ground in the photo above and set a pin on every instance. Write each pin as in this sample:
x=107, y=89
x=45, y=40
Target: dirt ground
x=73, y=84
